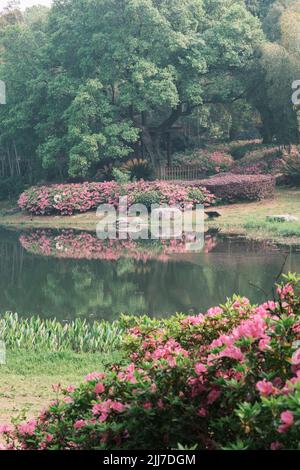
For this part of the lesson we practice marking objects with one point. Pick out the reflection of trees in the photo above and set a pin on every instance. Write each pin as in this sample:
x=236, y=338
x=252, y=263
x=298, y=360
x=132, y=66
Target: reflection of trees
x=31, y=284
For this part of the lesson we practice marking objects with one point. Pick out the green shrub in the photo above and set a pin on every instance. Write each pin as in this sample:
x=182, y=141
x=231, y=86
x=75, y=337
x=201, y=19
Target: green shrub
x=291, y=165
x=147, y=198
x=138, y=168
x=239, y=150
x=196, y=194
x=121, y=176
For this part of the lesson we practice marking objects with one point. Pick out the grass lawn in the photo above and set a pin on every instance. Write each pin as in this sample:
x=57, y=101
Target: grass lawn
x=26, y=379
x=248, y=219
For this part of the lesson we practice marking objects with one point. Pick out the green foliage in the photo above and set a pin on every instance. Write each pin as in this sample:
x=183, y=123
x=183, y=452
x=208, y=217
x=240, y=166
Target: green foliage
x=147, y=198
x=90, y=84
x=138, y=168
x=120, y=176
x=36, y=334
x=282, y=229
x=291, y=165
x=196, y=194
x=11, y=187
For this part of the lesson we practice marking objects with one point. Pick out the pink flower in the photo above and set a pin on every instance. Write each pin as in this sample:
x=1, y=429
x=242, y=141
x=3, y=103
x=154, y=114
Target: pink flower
x=276, y=446
x=194, y=320
x=103, y=417
x=27, y=428
x=232, y=352
x=97, y=409
x=285, y=291
x=212, y=312
x=296, y=358
x=160, y=404
x=99, y=388
x=265, y=388
x=117, y=406
x=213, y=396
x=263, y=344
x=200, y=369
x=80, y=423
x=287, y=420
x=147, y=405
x=243, y=302
x=68, y=400
x=5, y=428
x=94, y=376
x=202, y=412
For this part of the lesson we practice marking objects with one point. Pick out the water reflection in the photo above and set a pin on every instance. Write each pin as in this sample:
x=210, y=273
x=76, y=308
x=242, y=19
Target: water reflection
x=67, y=274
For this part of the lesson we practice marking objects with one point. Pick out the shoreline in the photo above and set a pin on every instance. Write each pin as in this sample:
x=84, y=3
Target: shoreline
x=245, y=219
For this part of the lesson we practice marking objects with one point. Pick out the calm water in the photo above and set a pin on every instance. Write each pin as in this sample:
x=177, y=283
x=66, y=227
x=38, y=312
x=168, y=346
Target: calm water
x=69, y=274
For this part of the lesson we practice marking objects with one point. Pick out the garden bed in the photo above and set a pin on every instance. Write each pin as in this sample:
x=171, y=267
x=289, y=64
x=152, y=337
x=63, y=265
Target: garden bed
x=67, y=199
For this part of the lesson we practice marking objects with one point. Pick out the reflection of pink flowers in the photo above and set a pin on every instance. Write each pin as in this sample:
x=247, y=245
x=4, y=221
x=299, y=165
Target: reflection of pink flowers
x=74, y=245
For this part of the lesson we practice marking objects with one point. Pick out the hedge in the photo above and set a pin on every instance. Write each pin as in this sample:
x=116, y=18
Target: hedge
x=232, y=188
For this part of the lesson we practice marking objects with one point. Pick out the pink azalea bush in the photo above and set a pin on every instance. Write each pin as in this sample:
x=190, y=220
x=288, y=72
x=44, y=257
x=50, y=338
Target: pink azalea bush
x=67, y=199
x=228, y=379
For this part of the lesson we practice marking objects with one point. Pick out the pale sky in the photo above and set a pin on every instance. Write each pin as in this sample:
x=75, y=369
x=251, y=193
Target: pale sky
x=27, y=3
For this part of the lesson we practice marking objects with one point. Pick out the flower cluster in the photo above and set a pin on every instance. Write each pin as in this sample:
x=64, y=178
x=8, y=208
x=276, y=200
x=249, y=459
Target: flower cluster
x=186, y=380
x=67, y=199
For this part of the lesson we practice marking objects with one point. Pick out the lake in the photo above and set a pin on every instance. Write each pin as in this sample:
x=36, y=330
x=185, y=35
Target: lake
x=67, y=274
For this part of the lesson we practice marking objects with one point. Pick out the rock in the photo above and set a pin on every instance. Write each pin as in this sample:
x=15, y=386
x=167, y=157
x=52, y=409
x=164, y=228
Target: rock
x=281, y=218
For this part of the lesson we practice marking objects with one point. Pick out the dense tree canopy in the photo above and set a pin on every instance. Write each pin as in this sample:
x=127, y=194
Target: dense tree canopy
x=94, y=81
